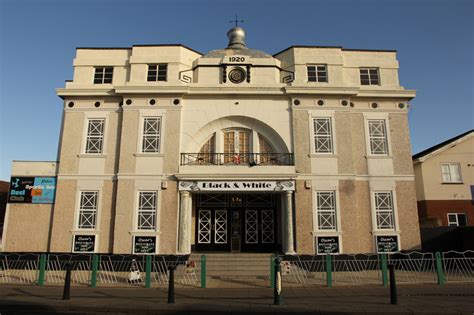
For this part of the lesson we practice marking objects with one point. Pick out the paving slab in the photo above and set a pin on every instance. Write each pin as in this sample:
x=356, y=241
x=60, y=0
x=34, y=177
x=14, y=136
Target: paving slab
x=413, y=299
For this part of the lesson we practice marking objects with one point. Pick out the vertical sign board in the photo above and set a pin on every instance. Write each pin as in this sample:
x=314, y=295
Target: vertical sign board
x=327, y=245
x=386, y=244
x=84, y=244
x=144, y=245
x=37, y=190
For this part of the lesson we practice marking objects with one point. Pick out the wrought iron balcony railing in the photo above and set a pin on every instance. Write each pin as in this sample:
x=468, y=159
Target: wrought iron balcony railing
x=235, y=159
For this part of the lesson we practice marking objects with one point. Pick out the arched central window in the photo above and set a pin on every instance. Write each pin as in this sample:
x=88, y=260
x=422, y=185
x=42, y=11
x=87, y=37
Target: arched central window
x=237, y=146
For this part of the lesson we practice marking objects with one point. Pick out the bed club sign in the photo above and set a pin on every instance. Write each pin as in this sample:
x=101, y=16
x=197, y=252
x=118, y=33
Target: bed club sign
x=237, y=186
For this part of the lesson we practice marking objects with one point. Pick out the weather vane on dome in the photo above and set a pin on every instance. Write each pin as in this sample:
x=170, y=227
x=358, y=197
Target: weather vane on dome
x=236, y=21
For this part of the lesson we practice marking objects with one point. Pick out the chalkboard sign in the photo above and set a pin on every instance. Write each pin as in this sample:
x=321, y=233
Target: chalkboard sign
x=144, y=245
x=327, y=245
x=84, y=243
x=387, y=243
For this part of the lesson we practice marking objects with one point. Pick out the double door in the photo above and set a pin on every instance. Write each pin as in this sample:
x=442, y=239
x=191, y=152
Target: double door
x=236, y=222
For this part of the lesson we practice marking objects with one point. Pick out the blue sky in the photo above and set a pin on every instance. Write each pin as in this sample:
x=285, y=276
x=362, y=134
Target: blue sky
x=434, y=40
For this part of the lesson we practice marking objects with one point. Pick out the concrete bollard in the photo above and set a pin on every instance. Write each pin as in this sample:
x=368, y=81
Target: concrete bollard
x=277, y=296
x=171, y=285
x=67, y=282
x=393, y=285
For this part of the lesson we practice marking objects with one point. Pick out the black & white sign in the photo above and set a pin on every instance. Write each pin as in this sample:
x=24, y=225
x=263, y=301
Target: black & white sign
x=386, y=244
x=84, y=243
x=144, y=245
x=327, y=245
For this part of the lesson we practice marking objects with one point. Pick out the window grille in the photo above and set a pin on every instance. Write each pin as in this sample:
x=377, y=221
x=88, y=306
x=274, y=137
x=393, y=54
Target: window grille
x=151, y=134
x=103, y=75
x=95, y=136
x=88, y=210
x=317, y=73
x=384, y=210
x=451, y=172
x=323, y=135
x=326, y=210
x=157, y=72
x=378, y=137
x=369, y=76
x=147, y=210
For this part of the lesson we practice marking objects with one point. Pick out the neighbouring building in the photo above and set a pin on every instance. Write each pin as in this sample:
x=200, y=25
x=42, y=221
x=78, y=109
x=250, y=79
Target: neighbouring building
x=444, y=177
x=166, y=150
x=3, y=206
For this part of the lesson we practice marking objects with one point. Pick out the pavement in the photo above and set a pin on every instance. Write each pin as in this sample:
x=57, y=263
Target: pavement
x=412, y=299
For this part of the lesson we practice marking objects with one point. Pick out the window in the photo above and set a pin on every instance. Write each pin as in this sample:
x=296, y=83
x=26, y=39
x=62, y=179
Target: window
x=384, y=210
x=378, y=137
x=206, y=154
x=151, y=134
x=103, y=75
x=317, y=73
x=451, y=172
x=157, y=73
x=236, y=146
x=323, y=135
x=95, y=136
x=326, y=210
x=369, y=76
x=457, y=219
x=146, y=210
x=88, y=210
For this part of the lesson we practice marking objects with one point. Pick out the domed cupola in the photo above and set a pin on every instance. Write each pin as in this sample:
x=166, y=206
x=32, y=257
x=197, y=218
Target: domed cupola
x=236, y=37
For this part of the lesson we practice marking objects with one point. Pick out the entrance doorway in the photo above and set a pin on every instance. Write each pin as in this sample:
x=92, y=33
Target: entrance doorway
x=236, y=222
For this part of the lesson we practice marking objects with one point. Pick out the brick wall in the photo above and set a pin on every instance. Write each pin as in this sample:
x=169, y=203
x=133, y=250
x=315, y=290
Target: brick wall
x=429, y=210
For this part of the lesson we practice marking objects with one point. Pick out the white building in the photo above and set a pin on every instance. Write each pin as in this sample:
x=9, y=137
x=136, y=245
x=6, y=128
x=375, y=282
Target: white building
x=165, y=150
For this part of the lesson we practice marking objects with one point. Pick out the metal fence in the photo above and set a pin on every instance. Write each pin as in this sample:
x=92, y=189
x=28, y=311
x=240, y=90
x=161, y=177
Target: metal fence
x=148, y=271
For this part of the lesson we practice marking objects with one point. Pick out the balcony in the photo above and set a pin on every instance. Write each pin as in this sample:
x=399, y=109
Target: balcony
x=237, y=159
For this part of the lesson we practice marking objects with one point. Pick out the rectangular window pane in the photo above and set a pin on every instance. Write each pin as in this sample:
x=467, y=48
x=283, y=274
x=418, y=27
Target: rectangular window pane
x=103, y=75
x=378, y=137
x=146, y=211
x=326, y=210
x=87, y=210
x=151, y=134
x=369, y=76
x=384, y=210
x=451, y=172
x=323, y=135
x=157, y=72
x=317, y=73
x=95, y=136
x=462, y=219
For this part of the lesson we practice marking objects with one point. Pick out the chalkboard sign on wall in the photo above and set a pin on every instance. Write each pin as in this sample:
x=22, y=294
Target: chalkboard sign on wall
x=387, y=243
x=144, y=245
x=327, y=245
x=84, y=243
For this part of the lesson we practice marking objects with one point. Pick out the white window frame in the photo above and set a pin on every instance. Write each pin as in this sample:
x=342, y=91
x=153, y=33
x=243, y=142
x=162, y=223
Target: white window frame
x=157, y=76
x=333, y=211
x=317, y=115
x=157, y=135
x=450, y=166
x=147, y=113
x=317, y=80
x=368, y=73
x=377, y=116
x=376, y=138
x=155, y=211
x=80, y=206
x=88, y=137
x=394, y=225
x=328, y=136
x=456, y=223
x=102, y=79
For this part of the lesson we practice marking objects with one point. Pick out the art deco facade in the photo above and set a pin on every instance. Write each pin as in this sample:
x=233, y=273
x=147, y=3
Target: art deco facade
x=165, y=150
